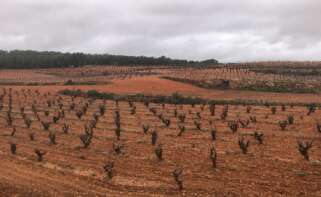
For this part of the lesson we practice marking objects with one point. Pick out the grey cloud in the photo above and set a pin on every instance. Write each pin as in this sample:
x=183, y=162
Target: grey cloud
x=229, y=30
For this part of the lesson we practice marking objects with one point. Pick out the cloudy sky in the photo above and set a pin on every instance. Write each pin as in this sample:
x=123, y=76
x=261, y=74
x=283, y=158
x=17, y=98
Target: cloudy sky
x=228, y=30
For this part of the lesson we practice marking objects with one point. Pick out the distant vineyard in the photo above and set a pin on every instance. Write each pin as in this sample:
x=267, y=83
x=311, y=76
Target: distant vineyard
x=254, y=77
x=93, y=74
x=245, y=79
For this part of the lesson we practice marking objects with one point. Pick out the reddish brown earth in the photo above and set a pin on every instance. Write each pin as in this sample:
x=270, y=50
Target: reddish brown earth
x=157, y=86
x=274, y=168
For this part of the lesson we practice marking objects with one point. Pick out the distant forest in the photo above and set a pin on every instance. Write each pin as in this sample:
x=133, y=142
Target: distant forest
x=28, y=59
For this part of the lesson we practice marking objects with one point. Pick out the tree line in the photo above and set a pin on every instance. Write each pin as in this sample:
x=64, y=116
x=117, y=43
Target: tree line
x=28, y=59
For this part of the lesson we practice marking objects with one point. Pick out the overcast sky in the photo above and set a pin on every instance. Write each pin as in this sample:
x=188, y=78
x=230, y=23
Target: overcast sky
x=227, y=30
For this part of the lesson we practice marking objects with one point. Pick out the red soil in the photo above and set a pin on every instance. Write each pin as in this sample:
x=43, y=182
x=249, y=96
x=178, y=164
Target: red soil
x=157, y=86
x=273, y=169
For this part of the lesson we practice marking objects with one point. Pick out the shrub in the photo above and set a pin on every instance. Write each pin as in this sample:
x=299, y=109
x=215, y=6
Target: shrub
x=145, y=128
x=213, y=156
x=72, y=106
x=65, y=128
x=159, y=152
x=49, y=103
x=181, y=130
x=154, y=137
x=233, y=125
x=253, y=119
x=175, y=113
x=40, y=154
x=181, y=118
x=283, y=124
x=224, y=113
x=244, y=144
x=248, y=109
x=60, y=105
x=244, y=123
x=318, y=125
x=96, y=117
x=52, y=138
x=117, y=132
x=130, y=103
x=117, y=119
x=163, y=105
x=198, y=114
x=202, y=107
x=133, y=110
x=311, y=109
x=93, y=123
x=273, y=109
x=31, y=136
x=45, y=125
x=13, y=148
x=38, y=117
x=88, y=129
x=13, y=132
x=27, y=122
x=212, y=109
x=259, y=137
x=86, y=139
x=166, y=121
x=117, y=147
x=46, y=113
x=197, y=124
x=304, y=148
x=213, y=134
x=109, y=169
x=290, y=119
x=79, y=114
x=62, y=114
x=55, y=119
x=22, y=109
x=177, y=174
x=9, y=118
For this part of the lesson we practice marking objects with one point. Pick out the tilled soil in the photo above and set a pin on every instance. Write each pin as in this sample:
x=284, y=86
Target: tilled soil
x=274, y=168
x=153, y=85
